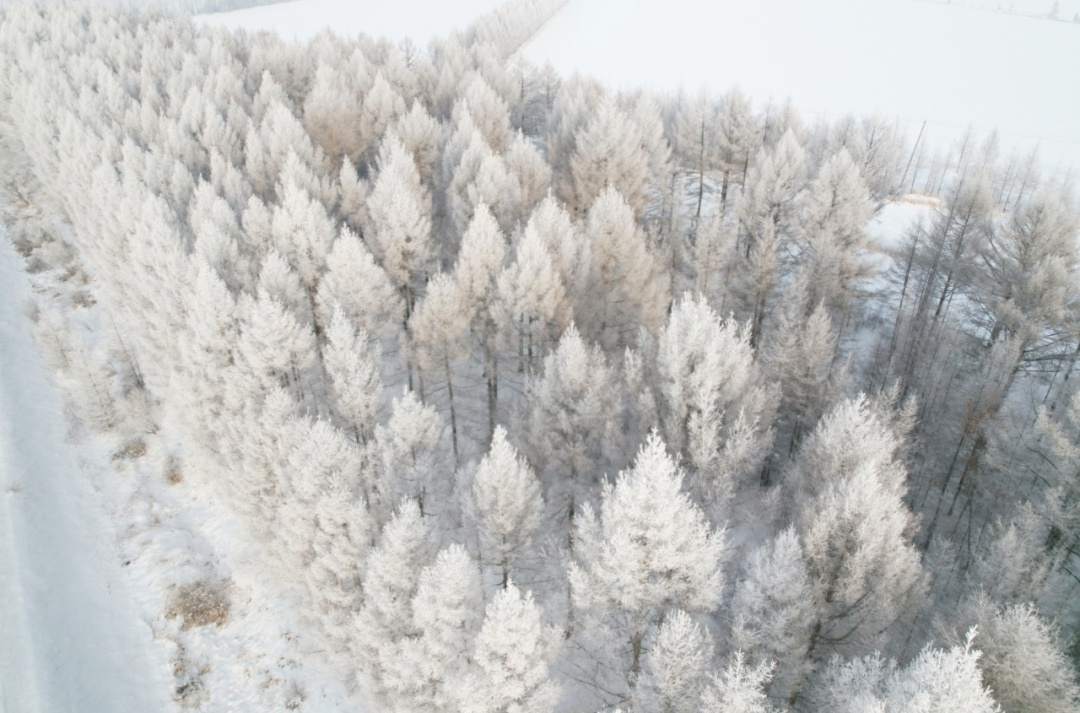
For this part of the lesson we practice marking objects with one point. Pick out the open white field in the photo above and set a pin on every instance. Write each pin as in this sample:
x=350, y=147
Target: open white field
x=300, y=20
x=952, y=65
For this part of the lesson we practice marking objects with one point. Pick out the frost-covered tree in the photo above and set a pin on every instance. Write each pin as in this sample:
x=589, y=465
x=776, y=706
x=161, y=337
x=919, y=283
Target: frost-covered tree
x=483, y=252
x=514, y=652
x=771, y=612
x=423, y=137
x=430, y=669
x=303, y=233
x=697, y=147
x=568, y=417
x=381, y=106
x=400, y=222
x=504, y=505
x=531, y=307
x=354, y=283
x=390, y=582
x=1027, y=277
x=608, y=153
x=935, y=681
x=353, y=371
x=525, y=163
x=739, y=688
x=409, y=455
x=846, y=488
x=331, y=110
x=714, y=408
x=802, y=362
x=274, y=349
x=1023, y=662
x=649, y=550
x=833, y=215
x=737, y=140
x=440, y=331
x=676, y=668
x=626, y=287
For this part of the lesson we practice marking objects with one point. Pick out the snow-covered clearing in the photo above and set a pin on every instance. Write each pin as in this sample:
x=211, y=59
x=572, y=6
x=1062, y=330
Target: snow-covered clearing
x=70, y=635
x=915, y=60
x=300, y=20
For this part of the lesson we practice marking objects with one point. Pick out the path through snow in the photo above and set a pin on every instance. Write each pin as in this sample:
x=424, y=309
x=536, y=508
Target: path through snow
x=70, y=637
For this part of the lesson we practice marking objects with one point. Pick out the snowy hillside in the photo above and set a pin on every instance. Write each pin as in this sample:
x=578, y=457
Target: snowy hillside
x=908, y=59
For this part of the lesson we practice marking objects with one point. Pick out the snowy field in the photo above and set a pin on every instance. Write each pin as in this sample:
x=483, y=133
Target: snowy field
x=300, y=20
x=915, y=60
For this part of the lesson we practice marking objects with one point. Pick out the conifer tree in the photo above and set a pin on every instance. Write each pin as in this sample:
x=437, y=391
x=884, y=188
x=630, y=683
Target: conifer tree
x=567, y=418
x=353, y=371
x=504, y=505
x=713, y=407
x=649, y=550
x=626, y=288
x=608, y=154
x=513, y=652
x=391, y=579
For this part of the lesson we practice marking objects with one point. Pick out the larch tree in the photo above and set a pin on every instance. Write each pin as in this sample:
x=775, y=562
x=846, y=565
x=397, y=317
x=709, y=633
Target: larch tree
x=1023, y=660
x=331, y=107
x=480, y=261
x=801, y=360
x=833, y=214
x=846, y=488
x=354, y=283
x=423, y=136
x=440, y=339
x=531, y=307
x=410, y=449
x=697, y=147
x=304, y=233
x=936, y=681
x=489, y=113
x=513, y=655
x=626, y=289
x=676, y=668
x=382, y=105
x=738, y=688
x=567, y=418
x=525, y=163
x=432, y=668
x=504, y=506
x=737, y=143
x=555, y=229
x=353, y=370
x=648, y=551
x=714, y=407
x=608, y=153
x=1027, y=281
x=771, y=612
x=400, y=230
x=274, y=348
x=391, y=578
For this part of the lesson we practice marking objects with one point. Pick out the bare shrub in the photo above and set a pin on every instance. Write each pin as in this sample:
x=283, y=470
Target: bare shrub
x=200, y=603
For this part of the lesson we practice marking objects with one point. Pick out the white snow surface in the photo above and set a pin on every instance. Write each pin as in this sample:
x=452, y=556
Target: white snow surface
x=301, y=20
x=952, y=65
x=71, y=638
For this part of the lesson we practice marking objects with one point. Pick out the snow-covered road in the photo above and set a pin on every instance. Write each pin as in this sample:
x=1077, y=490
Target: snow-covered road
x=70, y=637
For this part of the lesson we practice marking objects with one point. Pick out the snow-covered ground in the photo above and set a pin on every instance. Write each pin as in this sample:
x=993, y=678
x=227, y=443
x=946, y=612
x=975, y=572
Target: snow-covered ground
x=951, y=65
x=71, y=638
x=300, y=20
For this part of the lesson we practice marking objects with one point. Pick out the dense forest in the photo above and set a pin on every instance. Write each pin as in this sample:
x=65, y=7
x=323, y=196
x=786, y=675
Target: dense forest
x=528, y=395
